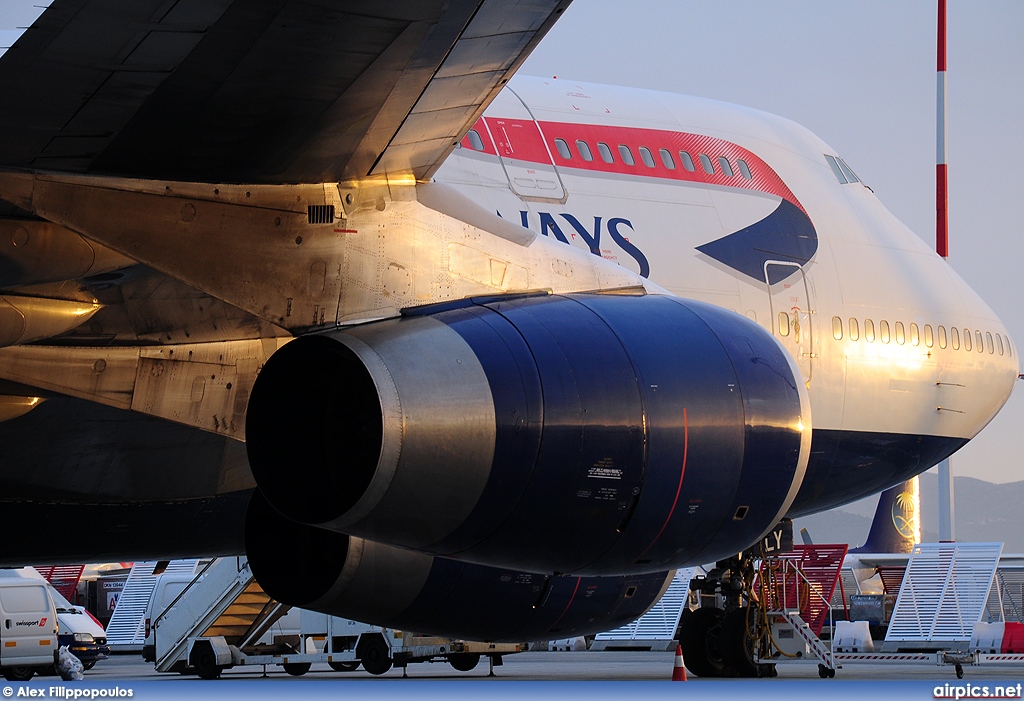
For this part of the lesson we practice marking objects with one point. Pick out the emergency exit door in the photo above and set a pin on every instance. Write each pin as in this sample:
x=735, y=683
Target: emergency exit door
x=523, y=151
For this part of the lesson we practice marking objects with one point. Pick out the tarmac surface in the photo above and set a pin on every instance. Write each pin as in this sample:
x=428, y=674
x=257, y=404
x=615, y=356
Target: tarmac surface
x=557, y=666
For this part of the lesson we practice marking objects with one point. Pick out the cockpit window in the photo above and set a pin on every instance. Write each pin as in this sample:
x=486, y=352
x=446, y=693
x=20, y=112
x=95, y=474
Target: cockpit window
x=848, y=172
x=834, y=165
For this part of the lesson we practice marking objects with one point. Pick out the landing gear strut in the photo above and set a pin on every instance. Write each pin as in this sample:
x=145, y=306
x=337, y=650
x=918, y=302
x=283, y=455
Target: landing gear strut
x=722, y=637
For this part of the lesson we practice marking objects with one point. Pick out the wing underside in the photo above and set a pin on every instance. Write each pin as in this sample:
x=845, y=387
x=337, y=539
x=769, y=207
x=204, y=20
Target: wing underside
x=264, y=91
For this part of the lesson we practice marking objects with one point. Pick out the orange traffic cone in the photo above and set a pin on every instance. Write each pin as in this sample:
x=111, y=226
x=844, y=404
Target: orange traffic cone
x=678, y=670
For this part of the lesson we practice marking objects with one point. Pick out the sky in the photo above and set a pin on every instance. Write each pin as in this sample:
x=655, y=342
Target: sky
x=861, y=75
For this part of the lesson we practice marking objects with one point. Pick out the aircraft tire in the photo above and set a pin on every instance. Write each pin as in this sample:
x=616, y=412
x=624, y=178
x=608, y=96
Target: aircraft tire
x=737, y=645
x=699, y=638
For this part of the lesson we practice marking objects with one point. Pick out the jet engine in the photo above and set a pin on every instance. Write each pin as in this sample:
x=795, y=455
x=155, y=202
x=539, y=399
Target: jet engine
x=387, y=586
x=592, y=434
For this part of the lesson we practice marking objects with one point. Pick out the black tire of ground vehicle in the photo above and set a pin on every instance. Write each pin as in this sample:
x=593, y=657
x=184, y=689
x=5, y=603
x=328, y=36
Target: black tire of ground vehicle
x=344, y=666
x=205, y=662
x=464, y=661
x=88, y=665
x=374, y=657
x=297, y=669
x=698, y=636
x=736, y=644
x=18, y=674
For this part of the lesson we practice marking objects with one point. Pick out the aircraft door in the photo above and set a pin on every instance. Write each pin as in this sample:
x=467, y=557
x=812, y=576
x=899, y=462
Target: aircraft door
x=791, y=312
x=523, y=150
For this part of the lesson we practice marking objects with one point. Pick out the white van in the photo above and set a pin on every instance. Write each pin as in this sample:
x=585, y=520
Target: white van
x=168, y=587
x=28, y=625
x=76, y=628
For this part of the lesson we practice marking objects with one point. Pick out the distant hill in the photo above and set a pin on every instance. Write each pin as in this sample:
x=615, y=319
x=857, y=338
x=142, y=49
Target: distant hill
x=984, y=512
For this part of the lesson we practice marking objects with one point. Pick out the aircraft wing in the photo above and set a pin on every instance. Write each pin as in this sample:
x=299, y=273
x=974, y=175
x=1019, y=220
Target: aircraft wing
x=272, y=91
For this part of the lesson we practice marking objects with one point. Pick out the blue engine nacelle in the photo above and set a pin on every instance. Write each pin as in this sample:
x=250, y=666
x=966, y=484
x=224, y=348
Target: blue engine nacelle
x=591, y=434
x=388, y=586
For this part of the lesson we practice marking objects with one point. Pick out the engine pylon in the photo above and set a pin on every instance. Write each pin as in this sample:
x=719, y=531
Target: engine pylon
x=678, y=669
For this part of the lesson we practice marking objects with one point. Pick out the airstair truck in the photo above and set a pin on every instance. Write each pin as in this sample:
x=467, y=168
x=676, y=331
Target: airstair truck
x=222, y=618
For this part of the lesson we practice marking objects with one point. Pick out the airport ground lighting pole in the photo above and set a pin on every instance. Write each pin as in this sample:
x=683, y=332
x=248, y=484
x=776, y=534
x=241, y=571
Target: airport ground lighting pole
x=947, y=531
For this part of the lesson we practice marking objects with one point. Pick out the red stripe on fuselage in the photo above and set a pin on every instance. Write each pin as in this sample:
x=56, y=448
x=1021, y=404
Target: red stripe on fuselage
x=764, y=179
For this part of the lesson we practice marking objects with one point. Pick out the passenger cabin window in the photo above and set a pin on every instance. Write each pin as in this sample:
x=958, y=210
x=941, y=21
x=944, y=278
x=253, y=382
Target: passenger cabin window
x=967, y=339
x=783, y=324
x=626, y=154
x=475, y=142
x=883, y=330
x=979, y=344
x=563, y=149
x=646, y=157
x=837, y=328
x=854, y=330
x=999, y=343
x=834, y=165
x=666, y=159
x=901, y=334
x=705, y=161
x=606, y=153
x=869, y=331
x=942, y=337
x=687, y=162
x=723, y=163
x=954, y=336
x=915, y=335
x=584, y=148
x=1009, y=346
x=929, y=337
x=744, y=169
x=989, y=344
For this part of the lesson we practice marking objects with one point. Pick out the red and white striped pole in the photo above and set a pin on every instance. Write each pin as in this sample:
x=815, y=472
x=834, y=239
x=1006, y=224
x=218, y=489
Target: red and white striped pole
x=947, y=530
x=941, y=181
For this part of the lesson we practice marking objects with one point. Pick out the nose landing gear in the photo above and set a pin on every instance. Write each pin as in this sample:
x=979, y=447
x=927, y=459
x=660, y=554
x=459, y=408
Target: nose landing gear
x=719, y=639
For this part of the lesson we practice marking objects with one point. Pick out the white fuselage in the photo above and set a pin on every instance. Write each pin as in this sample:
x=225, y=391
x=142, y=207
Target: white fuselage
x=876, y=321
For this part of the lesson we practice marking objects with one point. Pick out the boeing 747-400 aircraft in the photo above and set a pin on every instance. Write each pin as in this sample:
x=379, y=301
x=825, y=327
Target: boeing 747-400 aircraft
x=320, y=281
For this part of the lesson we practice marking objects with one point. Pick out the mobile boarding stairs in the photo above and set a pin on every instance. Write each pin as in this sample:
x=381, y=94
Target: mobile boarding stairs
x=936, y=620
x=222, y=618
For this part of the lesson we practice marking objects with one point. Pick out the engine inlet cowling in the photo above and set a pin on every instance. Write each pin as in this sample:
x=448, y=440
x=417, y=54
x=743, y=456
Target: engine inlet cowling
x=593, y=434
